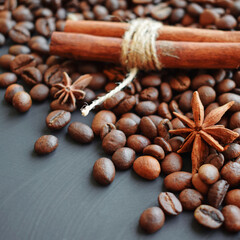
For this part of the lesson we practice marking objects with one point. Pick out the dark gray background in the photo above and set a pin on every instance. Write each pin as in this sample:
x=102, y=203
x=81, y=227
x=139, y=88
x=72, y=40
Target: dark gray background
x=54, y=197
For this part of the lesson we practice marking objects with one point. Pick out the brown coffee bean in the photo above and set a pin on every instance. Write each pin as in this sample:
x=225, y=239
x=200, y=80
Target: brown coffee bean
x=217, y=192
x=163, y=129
x=199, y=184
x=39, y=92
x=178, y=181
x=177, y=123
x=39, y=44
x=132, y=116
x=26, y=24
x=177, y=15
x=173, y=107
x=58, y=119
x=227, y=97
x=22, y=101
x=125, y=106
x=100, y=119
x=176, y=143
x=163, y=143
x=98, y=81
x=194, y=9
x=180, y=83
x=227, y=85
x=104, y=171
x=161, y=11
x=10, y=4
x=152, y=219
x=163, y=111
x=18, y=49
x=80, y=132
x=216, y=159
x=155, y=119
x=21, y=62
x=171, y=163
x=5, y=60
x=127, y=125
x=46, y=144
x=147, y=167
x=22, y=13
x=31, y=76
x=43, y=12
x=233, y=151
x=107, y=128
x=169, y=203
x=165, y=92
x=190, y=199
x=112, y=141
x=2, y=39
x=7, y=79
x=11, y=90
x=6, y=25
x=37, y=57
x=234, y=121
x=53, y=75
x=233, y=197
x=227, y=22
x=123, y=158
x=149, y=94
x=151, y=81
x=148, y=128
x=231, y=215
x=137, y=142
x=45, y=26
x=114, y=100
x=145, y=108
x=5, y=14
x=207, y=95
x=231, y=173
x=185, y=101
x=208, y=17
x=19, y=34
x=56, y=105
x=154, y=151
x=208, y=173
x=208, y=216
x=202, y=80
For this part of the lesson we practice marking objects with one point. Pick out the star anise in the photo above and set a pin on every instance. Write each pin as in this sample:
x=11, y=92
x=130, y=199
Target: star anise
x=203, y=132
x=69, y=92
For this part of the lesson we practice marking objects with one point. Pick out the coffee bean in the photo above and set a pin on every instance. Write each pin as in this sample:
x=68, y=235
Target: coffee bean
x=227, y=85
x=202, y=80
x=199, y=184
x=163, y=143
x=227, y=97
x=234, y=121
x=18, y=49
x=145, y=108
x=169, y=203
x=161, y=11
x=31, y=76
x=19, y=34
x=21, y=62
x=58, y=119
x=176, y=143
x=43, y=12
x=185, y=101
x=208, y=173
x=231, y=215
x=7, y=79
x=207, y=17
x=180, y=83
x=147, y=167
x=22, y=13
x=10, y=4
x=132, y=116
x=190, y=199
x=155, y=119
x=177, y=123
x=5, y=14
x=98, y=82
x=171, y=163
x=227, y=22
x=11, y=90
x=46, y=144
x=22, y=101
x=231, y=173
x=80, y=132
x=114, y=140
x=39, y=44
x=2, y=39
x=208, y=216
x=233, y=197
x=177, y=15
x=233, y=151
x=26, y=24
x=127, y=125
x=39, y=92
x=163, y=111
x=123, y=158
x=114, y=100
x=37, y=57
x=137, y=142
x=6, y=25
x=165, y=92
x=149, y=94
x=53, y=75
x=5, y=60
x=163, y=129
x=152, y=219
x=148, y=128
x=104, y=171
x=154, y=151
x=207, y=95
x=125, y=105
x=107, y=128
x=178, y=181
x=45, y=26
x=216, y=159
x=56, y=105
x=194, y=9
x=151, y=81
x=100, y=119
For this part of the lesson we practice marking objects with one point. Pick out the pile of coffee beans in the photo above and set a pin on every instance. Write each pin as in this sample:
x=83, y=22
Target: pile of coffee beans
x=134, y=124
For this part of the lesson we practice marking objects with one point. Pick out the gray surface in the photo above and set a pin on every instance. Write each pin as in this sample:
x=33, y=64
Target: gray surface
x=54, y=197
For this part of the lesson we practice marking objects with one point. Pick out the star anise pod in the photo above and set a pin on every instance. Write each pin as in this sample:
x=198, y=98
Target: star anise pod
x=203, y=132
x=69, y=92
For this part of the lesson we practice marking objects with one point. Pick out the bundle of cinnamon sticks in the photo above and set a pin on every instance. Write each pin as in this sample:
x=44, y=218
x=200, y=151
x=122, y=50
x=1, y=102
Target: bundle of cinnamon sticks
x=177, y=47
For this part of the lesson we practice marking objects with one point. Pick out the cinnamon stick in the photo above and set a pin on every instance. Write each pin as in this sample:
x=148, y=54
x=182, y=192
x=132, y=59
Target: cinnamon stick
x=170, y=53
x=171, y=33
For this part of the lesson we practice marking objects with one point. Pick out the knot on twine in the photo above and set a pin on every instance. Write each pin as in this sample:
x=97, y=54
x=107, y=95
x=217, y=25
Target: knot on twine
x=138, y=53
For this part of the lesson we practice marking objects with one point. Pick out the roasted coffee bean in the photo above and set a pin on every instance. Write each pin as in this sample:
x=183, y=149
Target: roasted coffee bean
x=114, y=140
x=100, y=119
x=148, y=128
x=199, y=184
x=43, y=12
x=171, y=163
x=39, y=44
x=37, y=57
x=2, y=39
x=208, y=17
x=202, y=80
x=26, y=24
x=123, y=158
x=107, y=128
x=163, y=129
x=165, y=92
x=152, y=219
x=132, y=116
x=127, y=125
x=10, y=4
x=80, y=132
x=234, y=121
x=161, y=11
x=208, y=173
x=114, y=100
x=61, y=13
x=11, y=90
x=56, y=105
x=6, y=25
x=149, y=94
x=185, y=101
x=46, y=144
x=163, y=111
x=190, y=199
x=233, y=151
x=177, y=15
x=155, y=119
x=31, y=76
x=7, y=79
x=231, y=215
x=104, y=171
x=176, y=143
x=226, y=85
x=216, y=159
x=177, y=123
x=19, y=34
x=137, y=142
x=154, y=151
x=22, y=101
x=145, y=108
x=5, y=14
x=53, y=75
x=207, y=95
x=180, y=83
x=58, y=119
x=169, y=203
x=147, y=167
x=18, y=49
x=22, y=13
x=194, y=9
x=5, y=60
x=209, y=216
x=39, y=92
x=45, y=26
x=227, y=97
x=163, y=143
x=233, y=197
x=178, y=181
x=210, y=107
x=173, y=107
x=217, y=192
x=98, y=81
x=151, y=81
x=231, y=173
x=227, y=22
x=21, y=62
x=125, y=106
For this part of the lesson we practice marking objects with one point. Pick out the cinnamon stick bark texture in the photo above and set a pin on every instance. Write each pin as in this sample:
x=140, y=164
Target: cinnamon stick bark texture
x=117, y=29
x=170, y=53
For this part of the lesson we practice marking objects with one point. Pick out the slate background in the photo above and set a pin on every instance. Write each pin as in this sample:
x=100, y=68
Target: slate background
x=54, y=197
